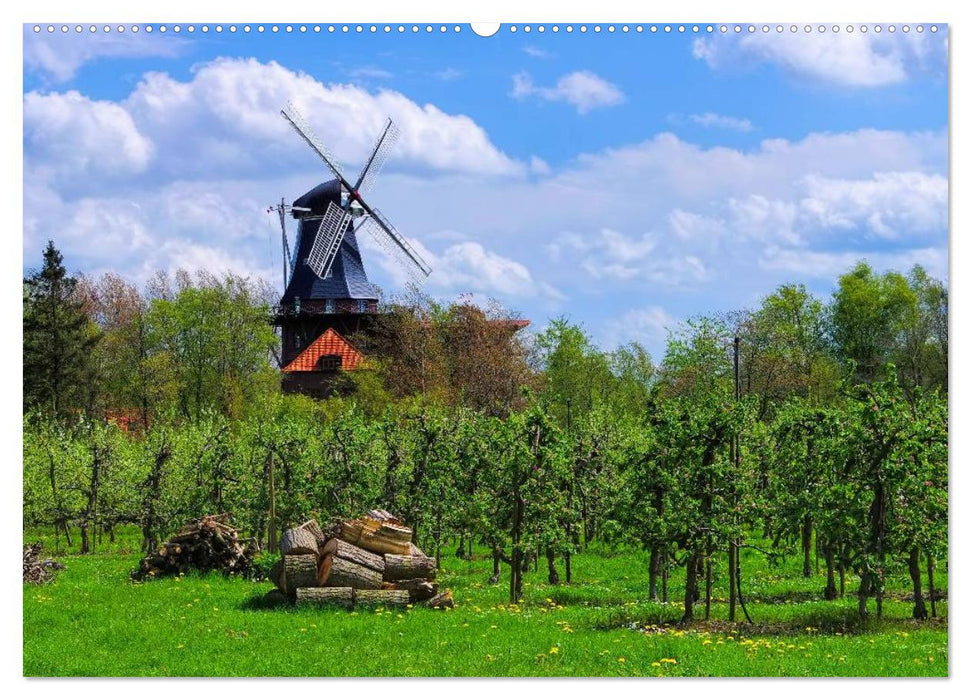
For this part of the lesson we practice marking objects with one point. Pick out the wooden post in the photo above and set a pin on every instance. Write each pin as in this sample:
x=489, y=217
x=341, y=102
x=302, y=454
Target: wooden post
x=272, y=536
x=733, y=563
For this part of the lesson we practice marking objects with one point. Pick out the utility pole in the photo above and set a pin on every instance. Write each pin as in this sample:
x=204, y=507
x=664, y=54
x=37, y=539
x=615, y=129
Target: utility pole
x=282, y=209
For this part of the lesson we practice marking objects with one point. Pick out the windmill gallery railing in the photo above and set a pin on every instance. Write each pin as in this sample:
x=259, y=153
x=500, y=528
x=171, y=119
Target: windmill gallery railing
x=325, y=307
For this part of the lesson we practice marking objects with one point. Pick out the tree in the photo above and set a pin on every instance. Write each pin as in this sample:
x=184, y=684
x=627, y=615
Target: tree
x=58, y=340
x=868, y=313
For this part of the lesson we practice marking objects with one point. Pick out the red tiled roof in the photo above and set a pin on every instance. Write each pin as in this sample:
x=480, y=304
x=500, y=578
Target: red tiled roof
x=330, y=343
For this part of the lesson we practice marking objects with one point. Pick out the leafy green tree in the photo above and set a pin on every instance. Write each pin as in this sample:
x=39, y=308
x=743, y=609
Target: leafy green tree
x=58, y=339
x=868, y=314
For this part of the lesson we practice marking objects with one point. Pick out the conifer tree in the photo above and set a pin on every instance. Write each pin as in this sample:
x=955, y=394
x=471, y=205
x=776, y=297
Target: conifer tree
x=58, y=340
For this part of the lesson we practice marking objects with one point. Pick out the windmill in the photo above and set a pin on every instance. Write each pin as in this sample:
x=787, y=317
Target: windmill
x=326, y=287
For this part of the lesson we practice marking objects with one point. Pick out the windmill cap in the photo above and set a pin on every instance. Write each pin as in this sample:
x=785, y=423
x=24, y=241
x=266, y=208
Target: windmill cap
x=314, y=202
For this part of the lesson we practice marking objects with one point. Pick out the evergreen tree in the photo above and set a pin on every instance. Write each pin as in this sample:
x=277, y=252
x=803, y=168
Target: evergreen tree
x=58, y=340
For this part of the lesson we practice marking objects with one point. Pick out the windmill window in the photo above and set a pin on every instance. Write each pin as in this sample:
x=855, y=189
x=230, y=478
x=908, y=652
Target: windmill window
x=328, y=306
x=329, y=362
x=362, y=306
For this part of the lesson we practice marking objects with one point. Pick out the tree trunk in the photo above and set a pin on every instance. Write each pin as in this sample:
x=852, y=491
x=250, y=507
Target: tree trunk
x=807, y=545
x=345, y=550
x=347, y=573
x=930, y=584
x=690, y=587
x=553, y=576
x=920, y=610
x=299, y=571
x=93, y=488
x=863, y=594
x=664, y=580
x=399, y=568
x=298, y=541
x=380, y=597
x=842, y=573
x=829, y=593
x=342, y=596
x=495, y=566
x=653, y=571
x=732, y=595
x=708, y=586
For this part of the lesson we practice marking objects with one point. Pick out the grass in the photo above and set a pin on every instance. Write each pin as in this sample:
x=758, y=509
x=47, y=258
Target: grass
x=93, y=621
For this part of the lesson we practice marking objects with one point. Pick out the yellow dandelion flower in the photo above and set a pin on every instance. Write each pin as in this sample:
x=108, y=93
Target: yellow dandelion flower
x=707, y=641
x=621, y=660
x=554, y=650
x=655, y=663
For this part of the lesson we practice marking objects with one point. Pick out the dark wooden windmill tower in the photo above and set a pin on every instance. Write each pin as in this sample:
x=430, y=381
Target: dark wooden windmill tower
x=328, y=297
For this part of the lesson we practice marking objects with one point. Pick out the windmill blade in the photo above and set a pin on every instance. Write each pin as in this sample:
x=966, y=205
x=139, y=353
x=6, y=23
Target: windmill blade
x=330, y=234
x=301, y=126
x=395, y=244
x=386, y=141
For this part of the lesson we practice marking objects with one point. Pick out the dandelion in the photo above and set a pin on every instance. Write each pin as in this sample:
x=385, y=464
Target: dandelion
x=554, y=650
x=707, y=641
x=656, y=664
x=490, y=657
x=494, y=627
x=621, y=660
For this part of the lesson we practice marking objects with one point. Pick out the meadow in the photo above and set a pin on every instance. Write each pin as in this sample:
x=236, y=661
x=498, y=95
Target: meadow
x=94, y=621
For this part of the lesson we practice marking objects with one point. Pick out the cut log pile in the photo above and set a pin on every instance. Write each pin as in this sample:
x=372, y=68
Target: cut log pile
x=209, y=544
x=369, y=560
x=37, y=570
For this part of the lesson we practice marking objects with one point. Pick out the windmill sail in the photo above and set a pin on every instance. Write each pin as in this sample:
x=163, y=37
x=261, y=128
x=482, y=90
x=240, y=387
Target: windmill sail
x=328, y=240
x=386, y=141
x=396, y=245
x=301, y=126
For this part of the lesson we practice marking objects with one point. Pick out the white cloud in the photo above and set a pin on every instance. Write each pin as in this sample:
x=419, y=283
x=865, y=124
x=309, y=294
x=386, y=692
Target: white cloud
x=854, y=59
x=649, y=326
x=582, y=89
x=58, y=56
x=468, y=267
x=720, y=121
x=227, y=118
x=536, y=52
x=888, y=205
x=69, y=137
x=374, y=72
x=828, y=265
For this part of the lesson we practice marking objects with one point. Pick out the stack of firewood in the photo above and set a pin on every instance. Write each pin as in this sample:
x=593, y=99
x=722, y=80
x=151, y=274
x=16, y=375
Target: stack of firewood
x=209, y=544
x=37, y=570
x=366, y=561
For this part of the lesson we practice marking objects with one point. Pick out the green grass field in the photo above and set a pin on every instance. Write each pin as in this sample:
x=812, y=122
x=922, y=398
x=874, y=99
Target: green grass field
x=93, y=621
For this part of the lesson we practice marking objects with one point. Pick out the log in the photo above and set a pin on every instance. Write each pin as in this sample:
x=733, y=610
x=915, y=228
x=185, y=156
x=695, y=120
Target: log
x=419, y=589
x=343, y=596
x=313, y=527
x=414, y=551
x=323, y=569
x=298, y=541
x=397, y=533
x=347, y=573
x=402, y=568
x=275, y=571
x=365, y=533
x=362, y=597
x=346, y=550
x=299, y=571
x=441, y=601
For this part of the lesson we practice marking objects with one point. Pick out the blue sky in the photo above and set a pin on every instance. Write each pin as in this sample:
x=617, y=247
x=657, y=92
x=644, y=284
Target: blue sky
x=628, y=181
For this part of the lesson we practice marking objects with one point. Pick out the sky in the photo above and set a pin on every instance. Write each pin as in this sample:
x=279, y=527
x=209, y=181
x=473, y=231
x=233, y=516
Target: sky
x=628, y=181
